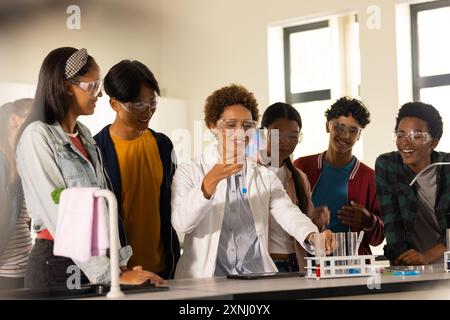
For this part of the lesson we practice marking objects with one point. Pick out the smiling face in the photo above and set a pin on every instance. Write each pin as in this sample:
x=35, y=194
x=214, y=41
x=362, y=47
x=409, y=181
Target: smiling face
x=344, y=132
x=416, y=153
x=138, y=120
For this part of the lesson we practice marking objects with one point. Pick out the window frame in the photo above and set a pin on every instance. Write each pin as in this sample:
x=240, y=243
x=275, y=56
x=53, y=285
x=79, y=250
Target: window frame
x=301, y=97
x=419, y=82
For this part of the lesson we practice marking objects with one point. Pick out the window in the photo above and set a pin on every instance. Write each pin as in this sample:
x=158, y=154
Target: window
x=308, y=61
x=430, y=48
x=430, y=57
x=321, y=64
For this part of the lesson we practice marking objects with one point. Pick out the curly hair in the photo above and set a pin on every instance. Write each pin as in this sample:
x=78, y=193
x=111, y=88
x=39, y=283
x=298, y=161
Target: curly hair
x=425, y=112
x=227, y=96
x=347, y=106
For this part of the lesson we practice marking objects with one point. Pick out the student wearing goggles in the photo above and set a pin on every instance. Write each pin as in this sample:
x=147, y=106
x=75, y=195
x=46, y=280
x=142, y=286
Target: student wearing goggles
x=139, y=163
x=340, y=181
x=413, y=199
x=57, y=151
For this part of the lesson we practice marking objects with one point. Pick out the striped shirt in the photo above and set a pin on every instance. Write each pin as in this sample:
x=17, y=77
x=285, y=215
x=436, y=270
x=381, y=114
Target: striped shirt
x=13, y=261
x=239, y=247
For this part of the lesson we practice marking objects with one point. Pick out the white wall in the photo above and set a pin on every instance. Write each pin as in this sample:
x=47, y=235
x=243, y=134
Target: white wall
x=195, y=47
x=111, y=30
x=208, y=44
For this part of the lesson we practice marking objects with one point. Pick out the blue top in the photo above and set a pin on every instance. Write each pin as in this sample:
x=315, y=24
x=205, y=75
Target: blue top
x=332, y=190
x=239, y=248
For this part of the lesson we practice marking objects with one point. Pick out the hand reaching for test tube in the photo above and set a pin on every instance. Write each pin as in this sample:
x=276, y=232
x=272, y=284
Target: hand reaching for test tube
x=319, y=240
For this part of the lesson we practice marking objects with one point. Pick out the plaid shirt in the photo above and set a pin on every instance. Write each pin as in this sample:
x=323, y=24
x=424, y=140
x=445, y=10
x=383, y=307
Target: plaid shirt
x=398, y=201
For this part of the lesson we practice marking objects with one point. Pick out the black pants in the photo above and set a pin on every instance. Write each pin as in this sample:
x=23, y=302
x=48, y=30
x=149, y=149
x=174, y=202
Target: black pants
x=165, y=274
x=46, y=270
x=287, y=265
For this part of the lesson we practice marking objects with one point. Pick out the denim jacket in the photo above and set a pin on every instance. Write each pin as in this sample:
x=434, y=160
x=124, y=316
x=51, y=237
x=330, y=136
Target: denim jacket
x=46, y=160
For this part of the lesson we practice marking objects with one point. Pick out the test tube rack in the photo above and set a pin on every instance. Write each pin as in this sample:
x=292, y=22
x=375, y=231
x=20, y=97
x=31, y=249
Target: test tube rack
x=340, y=266
x=447, y=261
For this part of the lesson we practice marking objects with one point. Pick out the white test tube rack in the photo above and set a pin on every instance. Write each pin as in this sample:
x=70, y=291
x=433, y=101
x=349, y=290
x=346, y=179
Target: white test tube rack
x=340, y=266
x=447, y=261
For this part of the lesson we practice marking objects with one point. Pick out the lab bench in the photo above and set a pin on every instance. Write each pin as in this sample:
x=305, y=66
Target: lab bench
x=432, y=283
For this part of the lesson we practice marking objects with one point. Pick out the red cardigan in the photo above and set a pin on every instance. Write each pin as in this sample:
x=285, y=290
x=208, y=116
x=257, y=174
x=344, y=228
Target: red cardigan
x=361, y=189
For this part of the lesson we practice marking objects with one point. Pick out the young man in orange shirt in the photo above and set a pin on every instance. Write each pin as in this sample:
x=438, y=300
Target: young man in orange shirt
x=139, y=165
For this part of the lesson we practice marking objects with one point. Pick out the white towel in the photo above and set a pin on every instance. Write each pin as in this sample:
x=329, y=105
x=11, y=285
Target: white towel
x=82, y=229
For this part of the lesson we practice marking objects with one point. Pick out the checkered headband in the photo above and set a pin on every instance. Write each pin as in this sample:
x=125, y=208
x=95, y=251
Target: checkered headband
x=75, y=62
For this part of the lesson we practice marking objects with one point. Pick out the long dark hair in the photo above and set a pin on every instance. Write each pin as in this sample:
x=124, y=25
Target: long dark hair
x=51, y=101
x=282, y=110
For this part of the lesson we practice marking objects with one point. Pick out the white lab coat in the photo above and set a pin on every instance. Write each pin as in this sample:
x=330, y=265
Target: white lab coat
x=201, y=219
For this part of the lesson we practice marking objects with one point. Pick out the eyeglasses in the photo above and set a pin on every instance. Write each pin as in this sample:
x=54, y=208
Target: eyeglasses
x=235, y=125
x=414, y=136
x=342, y=129
x=289, y=137
x=141, y=106
x=93, y=88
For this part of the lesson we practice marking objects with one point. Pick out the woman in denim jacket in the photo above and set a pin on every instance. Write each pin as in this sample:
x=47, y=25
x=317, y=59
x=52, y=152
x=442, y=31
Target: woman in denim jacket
x=57, y=151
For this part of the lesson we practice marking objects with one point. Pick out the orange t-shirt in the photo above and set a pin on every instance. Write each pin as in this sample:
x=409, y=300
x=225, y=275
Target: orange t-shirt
x=141, y=174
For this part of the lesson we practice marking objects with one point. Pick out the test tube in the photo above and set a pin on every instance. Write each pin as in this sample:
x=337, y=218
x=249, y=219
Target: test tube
x=339, y=250
x=319, y=249
x=352, y=240
x=244, y=177
x=339, y=240
x=319, y=244
x=448, y=239
x=447, y=262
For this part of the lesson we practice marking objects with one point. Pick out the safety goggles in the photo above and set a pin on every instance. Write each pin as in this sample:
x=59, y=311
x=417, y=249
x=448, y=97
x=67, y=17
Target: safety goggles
x=342, y=130
x=414, y=136
x=141, y=106
x=93, y=88
x=232, y=124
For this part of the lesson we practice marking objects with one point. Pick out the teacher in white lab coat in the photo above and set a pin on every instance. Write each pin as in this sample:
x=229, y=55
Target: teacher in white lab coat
x=222, y=203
